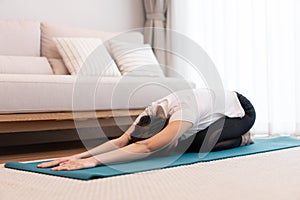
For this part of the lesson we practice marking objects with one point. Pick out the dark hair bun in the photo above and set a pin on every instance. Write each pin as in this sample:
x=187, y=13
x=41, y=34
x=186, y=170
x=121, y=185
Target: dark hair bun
x=144, y=121
x=147, y=127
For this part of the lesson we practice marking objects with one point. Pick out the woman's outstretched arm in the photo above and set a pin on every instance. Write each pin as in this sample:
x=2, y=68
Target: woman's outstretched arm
x=133, y=151
x=107, y=146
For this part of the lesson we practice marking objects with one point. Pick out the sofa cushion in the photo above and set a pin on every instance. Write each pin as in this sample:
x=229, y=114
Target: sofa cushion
x=24, y=65
x=31, y=92
x=87, y=56
x=135, y=59
x=19, y=38
x=58, y=66
x=49, y=31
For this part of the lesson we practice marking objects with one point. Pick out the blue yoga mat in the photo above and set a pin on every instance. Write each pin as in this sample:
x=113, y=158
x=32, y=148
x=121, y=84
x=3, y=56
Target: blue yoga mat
x=260, y=146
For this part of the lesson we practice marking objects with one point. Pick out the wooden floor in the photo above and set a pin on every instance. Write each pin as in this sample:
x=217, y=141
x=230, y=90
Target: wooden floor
x=40, y=151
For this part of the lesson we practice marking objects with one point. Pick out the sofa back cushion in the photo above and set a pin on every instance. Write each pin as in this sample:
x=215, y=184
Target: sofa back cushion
x=19, y=38
x=24, y=65
x=50, y=31
x=58, y=66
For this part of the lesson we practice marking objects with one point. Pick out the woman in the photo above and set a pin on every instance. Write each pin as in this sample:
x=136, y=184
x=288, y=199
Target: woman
x=185, y=121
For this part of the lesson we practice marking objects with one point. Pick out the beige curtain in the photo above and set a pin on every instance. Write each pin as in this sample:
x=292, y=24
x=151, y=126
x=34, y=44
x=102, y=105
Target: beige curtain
x=155, y=33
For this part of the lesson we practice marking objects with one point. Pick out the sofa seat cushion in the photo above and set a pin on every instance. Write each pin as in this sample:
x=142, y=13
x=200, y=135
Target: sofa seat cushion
x=24, y=65
x=20, y=38
x=48, y=93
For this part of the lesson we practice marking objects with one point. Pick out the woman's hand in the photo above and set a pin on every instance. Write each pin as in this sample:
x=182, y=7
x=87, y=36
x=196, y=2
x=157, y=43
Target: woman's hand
x=56, y=162
x=77, y=164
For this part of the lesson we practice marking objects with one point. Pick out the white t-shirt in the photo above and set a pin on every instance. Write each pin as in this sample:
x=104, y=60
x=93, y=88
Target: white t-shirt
x=201, y=107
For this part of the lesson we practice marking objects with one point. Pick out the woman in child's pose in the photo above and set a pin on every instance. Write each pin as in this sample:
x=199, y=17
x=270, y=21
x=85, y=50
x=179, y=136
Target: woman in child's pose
x=185, y=121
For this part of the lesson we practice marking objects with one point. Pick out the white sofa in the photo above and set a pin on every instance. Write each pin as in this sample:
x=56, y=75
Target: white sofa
x=30, y=89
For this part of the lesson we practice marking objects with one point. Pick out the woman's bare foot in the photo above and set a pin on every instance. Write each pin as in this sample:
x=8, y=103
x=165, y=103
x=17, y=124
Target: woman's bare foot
x=247, y=139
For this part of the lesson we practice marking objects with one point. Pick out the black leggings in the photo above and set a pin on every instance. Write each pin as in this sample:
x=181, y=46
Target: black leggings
x=222, y=137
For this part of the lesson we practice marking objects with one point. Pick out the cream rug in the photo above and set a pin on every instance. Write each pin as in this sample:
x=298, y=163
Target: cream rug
x=273, y=175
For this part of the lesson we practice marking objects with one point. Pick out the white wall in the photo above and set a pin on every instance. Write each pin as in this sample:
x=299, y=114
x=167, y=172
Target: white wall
x=108, y=15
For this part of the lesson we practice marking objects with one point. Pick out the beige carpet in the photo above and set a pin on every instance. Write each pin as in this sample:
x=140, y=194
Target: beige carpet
x=273, y=175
